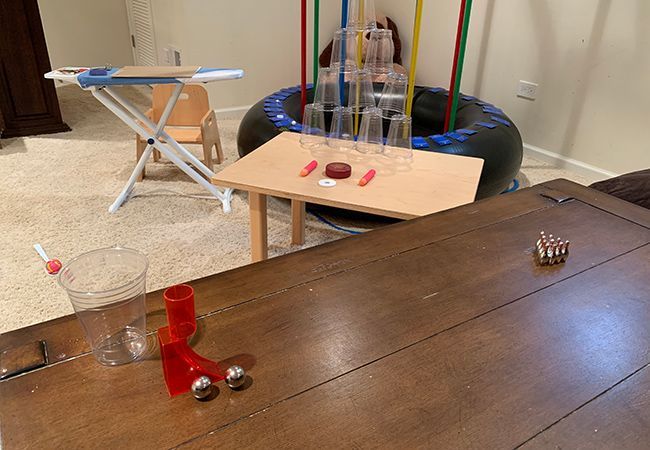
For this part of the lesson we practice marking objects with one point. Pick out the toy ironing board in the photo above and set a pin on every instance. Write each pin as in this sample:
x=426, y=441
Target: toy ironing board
x=100, y=84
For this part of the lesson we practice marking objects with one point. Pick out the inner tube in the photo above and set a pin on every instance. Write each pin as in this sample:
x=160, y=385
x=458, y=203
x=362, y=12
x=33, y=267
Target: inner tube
x=482, y=130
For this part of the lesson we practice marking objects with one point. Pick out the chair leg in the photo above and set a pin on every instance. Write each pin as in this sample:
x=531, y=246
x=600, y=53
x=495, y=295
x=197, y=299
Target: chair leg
x=217, y=144
x=207, y=155
x=140, y=145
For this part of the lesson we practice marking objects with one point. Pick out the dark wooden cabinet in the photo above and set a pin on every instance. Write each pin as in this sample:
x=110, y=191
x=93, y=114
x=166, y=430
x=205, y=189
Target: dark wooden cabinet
x=28, y=102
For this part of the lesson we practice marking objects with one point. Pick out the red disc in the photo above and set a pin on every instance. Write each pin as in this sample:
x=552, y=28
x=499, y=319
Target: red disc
x=338, y=170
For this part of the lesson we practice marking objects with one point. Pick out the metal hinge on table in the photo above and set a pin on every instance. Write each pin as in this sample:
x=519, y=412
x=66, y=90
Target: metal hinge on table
x=556, y=196
x=21, y=359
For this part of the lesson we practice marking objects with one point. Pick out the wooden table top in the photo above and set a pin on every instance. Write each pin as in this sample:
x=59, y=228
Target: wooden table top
x=432, y=182
x=438, y=332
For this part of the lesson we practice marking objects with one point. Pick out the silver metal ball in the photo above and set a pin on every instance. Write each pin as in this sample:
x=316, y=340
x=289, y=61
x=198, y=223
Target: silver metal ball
x=235, y=377
x=201, y=387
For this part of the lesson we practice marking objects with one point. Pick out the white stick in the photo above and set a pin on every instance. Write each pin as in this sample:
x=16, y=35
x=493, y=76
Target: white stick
x=41, y=252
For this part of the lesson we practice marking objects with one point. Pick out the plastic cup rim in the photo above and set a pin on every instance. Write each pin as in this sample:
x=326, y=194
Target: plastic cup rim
x=123, y=287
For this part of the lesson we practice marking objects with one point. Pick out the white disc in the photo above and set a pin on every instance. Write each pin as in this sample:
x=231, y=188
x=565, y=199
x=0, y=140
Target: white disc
x=326, y=182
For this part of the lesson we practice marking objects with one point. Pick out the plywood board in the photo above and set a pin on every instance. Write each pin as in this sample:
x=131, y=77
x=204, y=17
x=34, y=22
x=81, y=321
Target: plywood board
x=432, y=182
x=156, y=72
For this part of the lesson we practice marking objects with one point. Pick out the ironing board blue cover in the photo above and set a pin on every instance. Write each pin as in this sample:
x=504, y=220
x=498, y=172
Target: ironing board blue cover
x=86, y=80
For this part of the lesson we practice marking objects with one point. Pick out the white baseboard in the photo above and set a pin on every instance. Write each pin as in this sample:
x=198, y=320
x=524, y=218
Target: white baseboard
x=234, y=113
x=593, y=173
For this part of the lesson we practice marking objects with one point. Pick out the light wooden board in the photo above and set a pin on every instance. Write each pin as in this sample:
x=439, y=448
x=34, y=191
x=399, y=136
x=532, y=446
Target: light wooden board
x=156, y=72
x=432, y=182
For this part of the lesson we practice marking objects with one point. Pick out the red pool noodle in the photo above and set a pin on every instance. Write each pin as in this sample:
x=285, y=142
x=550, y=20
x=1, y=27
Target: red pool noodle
x=452, y=83
x=303, y=55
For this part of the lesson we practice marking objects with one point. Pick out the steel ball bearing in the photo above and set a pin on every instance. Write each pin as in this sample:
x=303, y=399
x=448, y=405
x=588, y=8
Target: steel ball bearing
x=235, y=377
x=201, y=387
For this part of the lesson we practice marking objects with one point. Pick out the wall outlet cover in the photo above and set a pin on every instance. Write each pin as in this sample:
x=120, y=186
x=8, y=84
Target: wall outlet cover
x=527, y=89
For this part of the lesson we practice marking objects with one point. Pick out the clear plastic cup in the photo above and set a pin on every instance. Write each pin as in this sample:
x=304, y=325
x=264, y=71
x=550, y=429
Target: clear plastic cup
x=327, y=93
x=379, y=57
x=361, y=15
x=393, y=97
x=313, y=126
x=361, y=95
x=398, y=143
x=371, y=132
x=107, y=290
x=342, y=129
x=344, y=51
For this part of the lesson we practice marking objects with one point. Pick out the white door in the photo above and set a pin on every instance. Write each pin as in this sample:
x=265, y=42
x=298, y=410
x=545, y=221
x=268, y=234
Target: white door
x=142, y=33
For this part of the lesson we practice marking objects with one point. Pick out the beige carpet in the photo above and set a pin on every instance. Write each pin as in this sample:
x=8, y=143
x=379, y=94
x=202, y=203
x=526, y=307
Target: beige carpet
x=56, y=189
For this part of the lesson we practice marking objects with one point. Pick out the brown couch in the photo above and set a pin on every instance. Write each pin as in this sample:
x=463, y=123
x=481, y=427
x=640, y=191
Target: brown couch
x=633, y=187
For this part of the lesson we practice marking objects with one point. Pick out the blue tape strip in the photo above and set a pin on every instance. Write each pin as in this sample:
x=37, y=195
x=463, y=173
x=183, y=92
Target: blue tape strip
x=468, y=98
x=466, y=131
x=284, y=123
x=492, y=110
x=441, y=140
x=484, y=104
x=276, y=117
x=513, y=187
x=501, y=120
x=489, y=125
x=457, y=136
x=419, y=142
x=436, y=90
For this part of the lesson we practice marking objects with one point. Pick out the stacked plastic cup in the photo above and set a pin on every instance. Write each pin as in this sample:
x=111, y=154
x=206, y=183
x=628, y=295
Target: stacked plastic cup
x=361, y=94
x=371, y=132
x=393, y=97
x=398, y=143
x=361, y=15
x=341, y=132
x=379, y=57
x=344, y=51
x=313, y=126
x=327, y=93
x=107, y=290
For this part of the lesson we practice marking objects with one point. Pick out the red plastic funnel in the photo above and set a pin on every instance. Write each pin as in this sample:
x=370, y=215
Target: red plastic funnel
x=181, y=365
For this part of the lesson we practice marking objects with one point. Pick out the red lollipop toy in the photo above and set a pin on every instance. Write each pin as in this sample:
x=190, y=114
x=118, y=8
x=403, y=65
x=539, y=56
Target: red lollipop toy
x=53, y=266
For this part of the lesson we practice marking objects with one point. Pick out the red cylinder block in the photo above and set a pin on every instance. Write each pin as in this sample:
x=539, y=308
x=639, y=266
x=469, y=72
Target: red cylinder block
x=179, y=302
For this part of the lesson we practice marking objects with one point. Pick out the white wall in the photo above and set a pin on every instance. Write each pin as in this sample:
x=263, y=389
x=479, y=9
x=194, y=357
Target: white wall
x=591, y=59
x=261, y=37
x=86, y=32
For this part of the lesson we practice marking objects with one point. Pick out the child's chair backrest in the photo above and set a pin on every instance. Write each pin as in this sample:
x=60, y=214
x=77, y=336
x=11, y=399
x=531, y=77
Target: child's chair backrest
x=192, y=104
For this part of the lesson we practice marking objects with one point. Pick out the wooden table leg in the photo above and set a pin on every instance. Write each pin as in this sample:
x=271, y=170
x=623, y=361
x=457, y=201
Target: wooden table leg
x=297, y=222
x=259, y=244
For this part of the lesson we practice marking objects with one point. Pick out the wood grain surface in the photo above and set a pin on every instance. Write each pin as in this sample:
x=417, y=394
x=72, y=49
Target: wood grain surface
x=65, y=338
x=438, y=332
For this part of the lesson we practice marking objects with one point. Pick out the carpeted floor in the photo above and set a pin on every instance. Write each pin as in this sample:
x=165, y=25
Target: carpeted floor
x=56, y=189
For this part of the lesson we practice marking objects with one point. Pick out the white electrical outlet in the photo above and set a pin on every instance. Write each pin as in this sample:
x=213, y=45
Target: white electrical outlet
x=167, y=59
x=526, y=89
x=175, y=57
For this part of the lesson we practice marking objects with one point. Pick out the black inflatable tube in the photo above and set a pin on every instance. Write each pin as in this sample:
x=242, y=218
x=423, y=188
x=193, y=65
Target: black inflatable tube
x=485, y=131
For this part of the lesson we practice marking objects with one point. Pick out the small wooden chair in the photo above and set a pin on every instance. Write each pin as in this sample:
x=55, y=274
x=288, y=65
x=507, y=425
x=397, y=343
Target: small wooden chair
x=191, y=122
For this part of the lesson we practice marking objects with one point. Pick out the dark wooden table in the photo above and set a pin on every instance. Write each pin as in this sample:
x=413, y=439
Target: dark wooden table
x=438, y=332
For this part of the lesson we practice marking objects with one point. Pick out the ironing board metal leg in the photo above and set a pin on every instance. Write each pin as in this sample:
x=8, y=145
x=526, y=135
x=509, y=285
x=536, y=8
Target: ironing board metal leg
x=124, y=195
x=168, y=139
x=129, y=115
